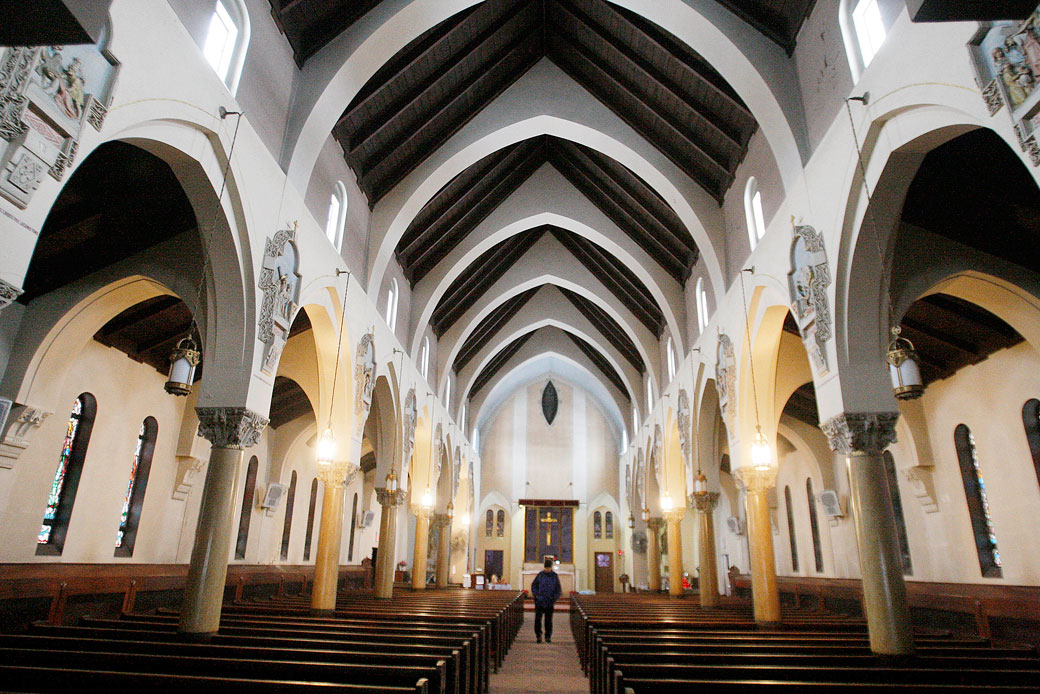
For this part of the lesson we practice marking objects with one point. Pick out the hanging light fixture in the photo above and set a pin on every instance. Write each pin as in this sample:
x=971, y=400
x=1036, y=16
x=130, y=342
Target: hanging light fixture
x=427, y=499
x=646, y=514
x=183, y=360
x=465, y=520
x=904, y=367
x=326, y=448
x=700, y=483
x=451, y=511
x=761, y=451
x=631, y=522
x=666, y=502
x=391, y=482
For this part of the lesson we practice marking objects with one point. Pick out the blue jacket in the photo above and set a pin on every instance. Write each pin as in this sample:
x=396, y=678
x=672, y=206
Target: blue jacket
x=546, y=588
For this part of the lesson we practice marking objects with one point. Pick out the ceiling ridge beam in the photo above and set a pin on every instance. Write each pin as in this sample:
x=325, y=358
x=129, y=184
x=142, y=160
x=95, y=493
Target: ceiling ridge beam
x=498, y=361
x=490, y=326
x=609, y=328
x=663, y=82
x=600, y=363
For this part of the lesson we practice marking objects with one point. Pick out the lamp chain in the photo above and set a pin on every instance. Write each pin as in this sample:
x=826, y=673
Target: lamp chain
x=339, y=346
x=751, y=357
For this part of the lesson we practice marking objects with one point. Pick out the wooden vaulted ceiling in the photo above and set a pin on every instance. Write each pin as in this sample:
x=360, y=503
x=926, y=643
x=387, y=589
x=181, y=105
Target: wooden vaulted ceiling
x=498, y=361
x=148, y=331
x=656, y=83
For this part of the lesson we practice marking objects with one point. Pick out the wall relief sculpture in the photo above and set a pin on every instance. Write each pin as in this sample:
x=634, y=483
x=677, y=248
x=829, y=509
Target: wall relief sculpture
x=808, y=281
x=409, y=417
x=684, y=423
x=726, y=377
x=456, y=470
x=280, y=284
x=438, y=452
x=47, y=95
x=1006, y=58
x=364, y=380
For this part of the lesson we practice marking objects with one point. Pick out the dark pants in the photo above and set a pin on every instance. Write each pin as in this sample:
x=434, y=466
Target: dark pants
x=539, y=612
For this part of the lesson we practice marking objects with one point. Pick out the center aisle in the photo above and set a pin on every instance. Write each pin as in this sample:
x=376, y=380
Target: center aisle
x=537, y=668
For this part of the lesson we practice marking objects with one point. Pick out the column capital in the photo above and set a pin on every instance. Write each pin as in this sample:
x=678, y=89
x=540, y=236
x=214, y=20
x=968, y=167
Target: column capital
x=860, y=432
x=335, y=475
x=23, y=421
x=655, y=523
x=230, y=427
x=441, y=520
x=422, y=512
x=756, y=480
x=8, y=293
x=386, y=498
x=675, y=515
x=705, y=502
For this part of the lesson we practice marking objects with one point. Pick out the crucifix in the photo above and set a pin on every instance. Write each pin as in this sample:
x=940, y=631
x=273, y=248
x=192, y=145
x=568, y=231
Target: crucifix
x=548, y=528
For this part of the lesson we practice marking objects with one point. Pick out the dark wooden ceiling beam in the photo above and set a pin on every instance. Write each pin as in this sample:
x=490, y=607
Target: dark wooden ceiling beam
x=490, y=326
x=387, y=116
x=608, y=328
x=168, y=338
x=498, y=361
x=625, y=55
x=489, y=83
x=763, y=23
x=158, y=309
x=601, y=363
x=951, y=341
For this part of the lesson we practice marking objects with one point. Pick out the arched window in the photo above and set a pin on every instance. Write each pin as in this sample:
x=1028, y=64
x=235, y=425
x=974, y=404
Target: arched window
x=610, y=525
x=756, y=221
x=424, y=358
x=249, y=490
x=671, y=359
x=476, y=440
x=290, y=504
x=227, y=40
x=702, y=305
x=1031, y=421
x=353, y=529
x=462, y=415
x=490, y=525
x=337, y=218
x=51, y=539
x=978, y=503
x=309, y=533
x=391, y=305
x=814, y=525
x=649, y=395
x=790, y=529
x=447, y=392
x=133, y=501
x=500, y=526
x=635, y=418
x=597, y=525
x=624, y=441
x=897, y=513
x=863, y=31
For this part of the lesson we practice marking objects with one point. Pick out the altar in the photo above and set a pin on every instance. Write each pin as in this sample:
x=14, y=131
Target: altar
x=567, y=580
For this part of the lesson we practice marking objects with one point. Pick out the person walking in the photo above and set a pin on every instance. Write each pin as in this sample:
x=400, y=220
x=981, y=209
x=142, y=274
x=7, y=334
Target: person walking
x=546, y=591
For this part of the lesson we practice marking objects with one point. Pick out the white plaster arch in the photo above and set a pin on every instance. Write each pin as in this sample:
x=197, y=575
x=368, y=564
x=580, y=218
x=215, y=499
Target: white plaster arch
x=547, y=198
x=530, y=272
x=336, y=74
x=516, y=132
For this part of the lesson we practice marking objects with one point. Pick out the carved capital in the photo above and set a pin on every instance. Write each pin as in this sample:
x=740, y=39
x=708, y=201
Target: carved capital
x=339, y=473
x=705, y=502
x=8, y=293
x=870, y=432
x=441, y=520
x=755, y=480
x=655, y=524
x=230, y=427
x=675, y=515
x=422, y=513
x=24, y=421
x=386, y=498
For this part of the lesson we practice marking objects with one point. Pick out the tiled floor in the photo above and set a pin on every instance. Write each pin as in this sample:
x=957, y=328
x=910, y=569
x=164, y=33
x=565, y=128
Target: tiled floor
x=535, y=668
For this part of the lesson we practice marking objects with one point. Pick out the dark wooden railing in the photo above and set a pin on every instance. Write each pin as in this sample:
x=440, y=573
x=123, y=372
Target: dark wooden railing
x=983, y=601
x=60, y=581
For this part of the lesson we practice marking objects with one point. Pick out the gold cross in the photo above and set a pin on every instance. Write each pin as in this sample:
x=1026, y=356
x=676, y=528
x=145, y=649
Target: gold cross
x=548, y=530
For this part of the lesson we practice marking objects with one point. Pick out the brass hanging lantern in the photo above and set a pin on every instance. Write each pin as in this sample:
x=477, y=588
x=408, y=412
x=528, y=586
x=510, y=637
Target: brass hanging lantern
x=904, y=367
x=631, y=522
x=183, y=360
x=325, y=452
x=700, y=484
x=761, y=453
x=391, y=482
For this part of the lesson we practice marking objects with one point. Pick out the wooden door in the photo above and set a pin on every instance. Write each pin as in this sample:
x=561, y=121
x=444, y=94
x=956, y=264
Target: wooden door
x=493, y=563
x=604, y=572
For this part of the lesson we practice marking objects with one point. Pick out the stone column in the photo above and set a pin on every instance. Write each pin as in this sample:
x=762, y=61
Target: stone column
x=330, y=534
x=385, y=565
x=229, y=430
x=443, y=523
x=861, y=438
x=653, y=553
x=422, y=546
x=675, y=579
x=708, y=580
x=757, y=484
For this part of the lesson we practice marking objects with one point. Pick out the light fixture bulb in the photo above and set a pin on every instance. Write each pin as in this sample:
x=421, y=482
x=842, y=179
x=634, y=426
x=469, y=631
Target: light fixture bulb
x=184, y=358
x=646, y=514
x=391, y=482
x=325, y=451
x=465, y=520
x=666, y=502
x=904, y=367
x=700, y=484
x=427, y=499
x=631, y=522
x=451, y=510
x=761, y=455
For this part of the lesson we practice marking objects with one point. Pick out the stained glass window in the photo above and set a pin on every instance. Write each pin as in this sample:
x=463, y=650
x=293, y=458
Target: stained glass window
x=500, y=529
x=814, y=525
x=309, y=533
x=610, y=525
x=490, y=529
x=597, y=525
x=978, y=503
x=134, y=464
x=790, y=529
x=54, y=500
x=290, y=506
x=1031, y=422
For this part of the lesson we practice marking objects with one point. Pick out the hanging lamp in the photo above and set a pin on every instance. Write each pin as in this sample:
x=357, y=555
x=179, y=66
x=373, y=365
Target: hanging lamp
x=904, y=367
x=184, y=358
